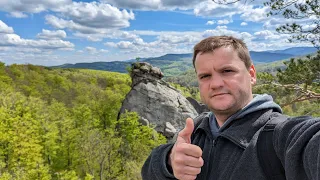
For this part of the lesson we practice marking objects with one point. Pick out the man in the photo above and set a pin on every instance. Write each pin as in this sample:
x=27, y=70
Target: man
x=223, y=144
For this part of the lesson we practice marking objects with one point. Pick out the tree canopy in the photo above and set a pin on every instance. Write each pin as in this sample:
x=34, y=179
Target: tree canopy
x=304, y=16
x=62, y=124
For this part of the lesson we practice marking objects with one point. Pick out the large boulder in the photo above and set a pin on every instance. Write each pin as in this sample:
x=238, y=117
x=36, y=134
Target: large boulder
x=156, y=102
x=200, y=107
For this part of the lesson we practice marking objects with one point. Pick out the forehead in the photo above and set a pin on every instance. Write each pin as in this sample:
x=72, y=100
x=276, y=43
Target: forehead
x=222, y=55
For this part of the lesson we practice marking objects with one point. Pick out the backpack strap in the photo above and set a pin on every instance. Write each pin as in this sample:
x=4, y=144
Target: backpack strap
x=198, y=119
x=267, y=156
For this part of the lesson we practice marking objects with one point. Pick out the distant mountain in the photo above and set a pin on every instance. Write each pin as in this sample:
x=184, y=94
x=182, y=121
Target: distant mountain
x=266, y=57
x=114, y=66
x=297, y=51
x=171, y=57
x=175, y=64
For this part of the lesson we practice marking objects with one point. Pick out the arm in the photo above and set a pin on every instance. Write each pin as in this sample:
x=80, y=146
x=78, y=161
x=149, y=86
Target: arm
x=297, y=143
x=155, y=167
x=184, y=157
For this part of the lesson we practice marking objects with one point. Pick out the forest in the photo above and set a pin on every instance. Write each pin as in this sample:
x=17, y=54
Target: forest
x=62, y=123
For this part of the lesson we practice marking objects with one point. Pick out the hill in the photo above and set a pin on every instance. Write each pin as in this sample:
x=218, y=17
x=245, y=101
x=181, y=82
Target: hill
x=175, y=64
x=50, y=116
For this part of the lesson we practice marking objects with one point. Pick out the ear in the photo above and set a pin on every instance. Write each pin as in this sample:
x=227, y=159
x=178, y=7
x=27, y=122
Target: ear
x=252, y=72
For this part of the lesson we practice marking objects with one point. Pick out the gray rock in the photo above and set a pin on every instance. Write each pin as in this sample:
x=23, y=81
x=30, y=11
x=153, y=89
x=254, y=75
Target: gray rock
x=200, y=107
x=169, y=130
x=144, y=121
x=156, y=101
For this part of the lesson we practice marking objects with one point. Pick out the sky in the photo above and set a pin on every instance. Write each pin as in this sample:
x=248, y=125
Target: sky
x=55, y=32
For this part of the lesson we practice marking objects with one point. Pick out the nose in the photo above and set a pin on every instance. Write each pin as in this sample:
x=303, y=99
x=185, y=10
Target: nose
x=216, y=82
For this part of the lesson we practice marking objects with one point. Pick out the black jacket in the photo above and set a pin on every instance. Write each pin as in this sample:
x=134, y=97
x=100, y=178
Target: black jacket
x=233, y=154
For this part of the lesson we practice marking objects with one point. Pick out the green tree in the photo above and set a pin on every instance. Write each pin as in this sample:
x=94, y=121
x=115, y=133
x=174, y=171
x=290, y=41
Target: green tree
x=137, y=142
x=20, y=140
x=296, y=88
x=303, y=13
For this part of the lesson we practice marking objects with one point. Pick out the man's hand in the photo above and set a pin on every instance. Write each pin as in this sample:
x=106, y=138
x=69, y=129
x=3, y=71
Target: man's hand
x=185, y=158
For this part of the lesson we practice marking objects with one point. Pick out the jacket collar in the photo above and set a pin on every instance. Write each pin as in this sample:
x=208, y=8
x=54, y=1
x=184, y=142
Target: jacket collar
x=240, y=131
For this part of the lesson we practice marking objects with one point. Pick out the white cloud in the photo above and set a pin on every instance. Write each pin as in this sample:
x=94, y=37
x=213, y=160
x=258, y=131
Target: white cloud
x=210, y=23
x=172, y=39
x=211, y=9
x=154, y=4
x=69, y=24
x=308, y=27
x=103, y=50
x=243, y=24
x=255, y=14
x=125, y=45
x=91, y=18
x=136, y=4
x=47, y=34
x=219, y=30
x=110, y=34
x=269, y=35
x=91, y=50
x=91, y=37
x=273, y=22
x=224, y=21
x=97, y=15
x=18, y=15
x=17, y=7
x=5, y=28
x=15, y=40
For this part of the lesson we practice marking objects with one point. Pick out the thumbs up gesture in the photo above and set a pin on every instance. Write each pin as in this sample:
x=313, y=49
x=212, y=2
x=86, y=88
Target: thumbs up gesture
x=185, y=158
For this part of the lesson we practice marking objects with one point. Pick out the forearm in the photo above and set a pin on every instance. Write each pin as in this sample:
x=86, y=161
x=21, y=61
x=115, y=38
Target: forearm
x=297, y=143
x=155, y=167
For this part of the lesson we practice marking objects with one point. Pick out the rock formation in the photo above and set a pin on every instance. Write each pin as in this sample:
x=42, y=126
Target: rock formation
x=200, y=107
x=156, y=102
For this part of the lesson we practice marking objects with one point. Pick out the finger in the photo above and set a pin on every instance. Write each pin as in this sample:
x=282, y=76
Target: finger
x=185, y=134
x=186, y=177
x=189, y=161
x=189, y=149
x=189, y=170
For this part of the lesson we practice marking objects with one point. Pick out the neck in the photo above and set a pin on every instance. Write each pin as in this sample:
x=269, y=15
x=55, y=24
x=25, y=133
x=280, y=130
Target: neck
x=221, y=119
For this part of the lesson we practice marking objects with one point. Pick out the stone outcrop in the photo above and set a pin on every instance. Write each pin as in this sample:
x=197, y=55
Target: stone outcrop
x=156, y=102
x=200, y=107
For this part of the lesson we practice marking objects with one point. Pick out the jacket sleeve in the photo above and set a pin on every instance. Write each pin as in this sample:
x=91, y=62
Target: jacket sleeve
x=297, y=143
x=155, y=167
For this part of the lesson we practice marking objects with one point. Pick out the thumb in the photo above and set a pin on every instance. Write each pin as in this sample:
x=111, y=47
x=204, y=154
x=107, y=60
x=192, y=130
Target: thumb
x=187, y=131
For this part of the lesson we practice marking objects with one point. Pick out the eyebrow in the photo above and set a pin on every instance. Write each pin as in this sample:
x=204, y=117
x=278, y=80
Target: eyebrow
x=201, y=74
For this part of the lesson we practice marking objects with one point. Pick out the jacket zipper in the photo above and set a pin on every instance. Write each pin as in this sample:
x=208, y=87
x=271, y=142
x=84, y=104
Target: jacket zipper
x=212, y=152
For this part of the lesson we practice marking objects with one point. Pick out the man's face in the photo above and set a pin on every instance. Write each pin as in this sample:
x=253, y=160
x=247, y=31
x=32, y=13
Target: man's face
x=225, y=83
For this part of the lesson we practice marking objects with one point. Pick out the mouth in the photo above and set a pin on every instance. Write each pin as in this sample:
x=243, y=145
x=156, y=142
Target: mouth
x=218, y=94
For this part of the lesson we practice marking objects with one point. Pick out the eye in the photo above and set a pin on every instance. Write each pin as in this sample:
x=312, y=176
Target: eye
x=204, y=76
x=227, y=70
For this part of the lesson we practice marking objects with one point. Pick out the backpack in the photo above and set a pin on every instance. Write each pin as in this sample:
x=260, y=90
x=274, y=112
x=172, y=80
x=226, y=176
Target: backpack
x=267, y=156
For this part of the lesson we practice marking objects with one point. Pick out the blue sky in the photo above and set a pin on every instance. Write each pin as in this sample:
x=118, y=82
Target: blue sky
x=54, y=32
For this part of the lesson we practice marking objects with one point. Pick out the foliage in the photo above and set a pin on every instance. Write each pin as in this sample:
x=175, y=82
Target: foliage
x=301, y=28
x=298, y=10
x=187, y=91
x=296, y=88
x=62, y=124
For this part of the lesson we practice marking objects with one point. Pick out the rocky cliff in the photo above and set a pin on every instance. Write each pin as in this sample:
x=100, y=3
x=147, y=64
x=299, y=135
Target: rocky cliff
x=158, y=104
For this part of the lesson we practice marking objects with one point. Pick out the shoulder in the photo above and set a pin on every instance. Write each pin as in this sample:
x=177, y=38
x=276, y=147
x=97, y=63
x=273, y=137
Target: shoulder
x=197, y=120
x=293, y=121
x=290, y=129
